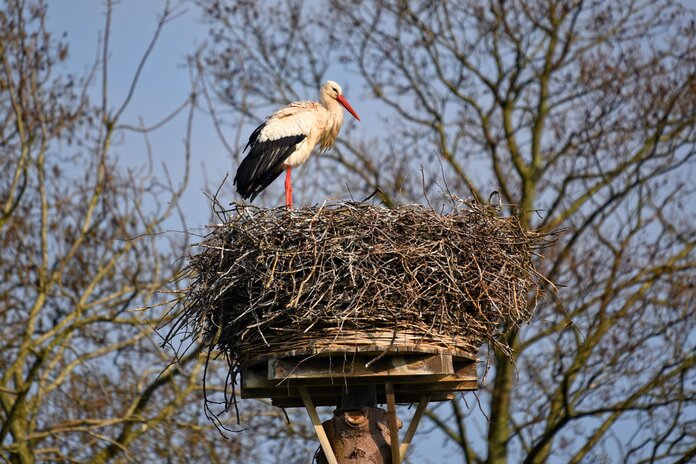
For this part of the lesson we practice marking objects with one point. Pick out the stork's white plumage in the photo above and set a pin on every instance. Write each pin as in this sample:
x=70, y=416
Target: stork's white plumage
x=287, y=138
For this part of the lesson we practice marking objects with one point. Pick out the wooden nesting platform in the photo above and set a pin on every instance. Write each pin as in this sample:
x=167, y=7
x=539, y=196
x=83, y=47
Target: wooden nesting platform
x=325, y=373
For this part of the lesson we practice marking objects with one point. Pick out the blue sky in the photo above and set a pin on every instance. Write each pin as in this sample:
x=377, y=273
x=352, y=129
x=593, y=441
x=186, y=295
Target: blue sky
x=163, y=86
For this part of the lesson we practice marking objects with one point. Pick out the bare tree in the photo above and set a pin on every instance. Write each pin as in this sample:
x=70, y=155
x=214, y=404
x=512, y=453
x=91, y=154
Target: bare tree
x=578, y=112
x=82, y=378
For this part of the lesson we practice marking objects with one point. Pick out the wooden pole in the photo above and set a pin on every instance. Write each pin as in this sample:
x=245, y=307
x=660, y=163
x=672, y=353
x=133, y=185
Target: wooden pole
x=318, y=427
x=422, y=405
x=393, y=424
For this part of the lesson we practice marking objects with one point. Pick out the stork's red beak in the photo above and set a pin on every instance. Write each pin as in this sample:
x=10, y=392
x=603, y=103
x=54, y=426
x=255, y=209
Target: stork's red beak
x=341, y=99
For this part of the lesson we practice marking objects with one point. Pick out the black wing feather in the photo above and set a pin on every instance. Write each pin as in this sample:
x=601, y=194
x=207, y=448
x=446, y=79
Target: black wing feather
x=264, y=163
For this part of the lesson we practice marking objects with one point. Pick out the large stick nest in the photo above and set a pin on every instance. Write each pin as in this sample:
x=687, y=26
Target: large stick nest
x=269, y=281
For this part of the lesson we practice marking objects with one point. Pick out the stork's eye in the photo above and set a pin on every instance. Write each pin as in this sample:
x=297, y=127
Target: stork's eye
x=334, y=89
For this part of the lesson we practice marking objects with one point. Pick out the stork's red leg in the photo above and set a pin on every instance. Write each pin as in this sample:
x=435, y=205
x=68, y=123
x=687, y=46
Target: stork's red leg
x=288, y=189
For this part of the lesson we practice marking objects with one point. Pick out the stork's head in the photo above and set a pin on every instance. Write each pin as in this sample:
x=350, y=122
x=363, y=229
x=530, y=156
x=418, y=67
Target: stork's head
x=331, y=90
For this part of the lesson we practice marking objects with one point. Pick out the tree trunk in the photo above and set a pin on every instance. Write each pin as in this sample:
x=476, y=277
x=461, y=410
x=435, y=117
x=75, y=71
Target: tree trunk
x=359, y=436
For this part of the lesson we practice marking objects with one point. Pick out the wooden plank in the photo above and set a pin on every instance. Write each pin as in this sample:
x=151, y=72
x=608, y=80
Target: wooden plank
x=377, y=343
x=295, y=402
x=392, y=366
x=318, y=428
x=452, y=386
x=375, y=349
x=465, y=368
x=393, y=425
x=326, y=371
x=325, y=387
x=422, y=405
x=336, y=390
x=252, y=380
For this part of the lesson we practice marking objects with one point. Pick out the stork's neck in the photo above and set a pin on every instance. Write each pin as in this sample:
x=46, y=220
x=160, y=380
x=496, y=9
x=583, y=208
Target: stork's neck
x=334, y=108
x=332, y=123
x=330, y=103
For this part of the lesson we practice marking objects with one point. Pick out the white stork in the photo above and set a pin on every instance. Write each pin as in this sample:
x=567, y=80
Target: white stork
x=286, y=140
